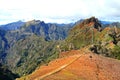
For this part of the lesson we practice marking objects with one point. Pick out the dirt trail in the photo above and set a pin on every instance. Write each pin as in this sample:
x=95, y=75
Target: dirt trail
x=60, y=68
x=76, y=54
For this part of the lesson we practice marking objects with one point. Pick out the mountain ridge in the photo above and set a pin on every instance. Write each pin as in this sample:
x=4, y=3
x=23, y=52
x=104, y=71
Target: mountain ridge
x=87, y=66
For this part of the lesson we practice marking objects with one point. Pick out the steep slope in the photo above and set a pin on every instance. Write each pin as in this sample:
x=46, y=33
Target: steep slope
x=3, y=45
x=104, y=40
x=84, y=65
x=83, y=33
x=26, y=54
x=47, y=30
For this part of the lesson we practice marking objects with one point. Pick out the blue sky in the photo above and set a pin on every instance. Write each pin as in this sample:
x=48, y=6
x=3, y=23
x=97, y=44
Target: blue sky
x=60, y=11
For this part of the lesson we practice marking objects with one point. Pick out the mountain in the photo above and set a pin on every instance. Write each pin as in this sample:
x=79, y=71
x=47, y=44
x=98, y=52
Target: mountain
x=84, y=54
x=80, y=54
x=3, y=45
x=117, y=24
x=27, y=54
x=106, y=22
x=48, y=30
x=37, y=43
x=12, y=26
x=83, y=33
x=103, y=40
x=31, y=45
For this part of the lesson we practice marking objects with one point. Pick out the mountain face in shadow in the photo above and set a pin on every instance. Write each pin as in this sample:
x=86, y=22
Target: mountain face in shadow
x=6, y=74
x=48, y=30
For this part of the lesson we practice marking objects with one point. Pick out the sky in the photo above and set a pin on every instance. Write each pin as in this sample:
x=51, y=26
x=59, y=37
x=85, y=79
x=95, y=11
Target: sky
x=58, y=11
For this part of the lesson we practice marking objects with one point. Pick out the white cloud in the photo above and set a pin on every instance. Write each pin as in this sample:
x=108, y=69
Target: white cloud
x=58, y=10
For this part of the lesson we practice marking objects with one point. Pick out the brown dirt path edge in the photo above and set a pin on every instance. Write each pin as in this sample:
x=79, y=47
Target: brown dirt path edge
x=58, y=69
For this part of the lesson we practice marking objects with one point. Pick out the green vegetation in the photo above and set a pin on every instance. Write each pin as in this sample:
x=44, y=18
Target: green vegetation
x=30, y=53
x=83, y=34
x=108, y=43
x=104, y=42
x=115, y=52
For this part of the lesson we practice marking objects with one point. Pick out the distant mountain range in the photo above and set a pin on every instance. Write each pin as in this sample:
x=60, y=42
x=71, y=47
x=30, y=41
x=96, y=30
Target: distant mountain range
x=16, y=25
x=12, y=26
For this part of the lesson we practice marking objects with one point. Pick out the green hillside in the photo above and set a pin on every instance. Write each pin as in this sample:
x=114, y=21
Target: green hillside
x=102, y=40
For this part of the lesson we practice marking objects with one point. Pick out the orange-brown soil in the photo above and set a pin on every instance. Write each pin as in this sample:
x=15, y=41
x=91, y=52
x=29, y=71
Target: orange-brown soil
x=78, y=65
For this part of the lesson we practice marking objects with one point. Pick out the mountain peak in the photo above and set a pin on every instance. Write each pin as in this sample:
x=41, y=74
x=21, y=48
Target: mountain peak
x=90, y=22
x=35, y=22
